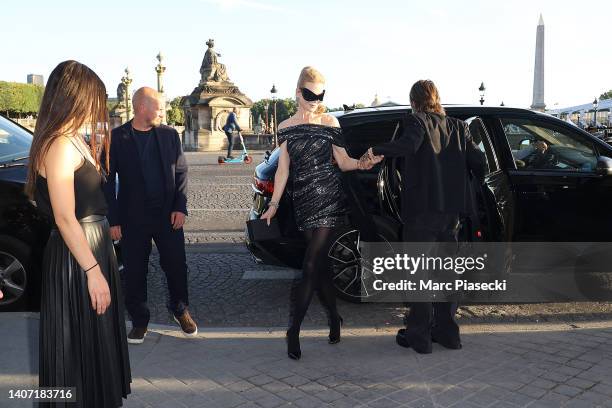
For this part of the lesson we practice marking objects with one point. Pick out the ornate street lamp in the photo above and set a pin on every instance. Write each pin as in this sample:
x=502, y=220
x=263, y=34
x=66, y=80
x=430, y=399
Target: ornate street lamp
x=482, y=92
x=595, y=104
x=273, y=92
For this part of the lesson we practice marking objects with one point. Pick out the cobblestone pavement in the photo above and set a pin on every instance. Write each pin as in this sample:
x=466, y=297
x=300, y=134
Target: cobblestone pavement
x=219, y=195
x=545, y=365
x=220, y=294
x=228, y=289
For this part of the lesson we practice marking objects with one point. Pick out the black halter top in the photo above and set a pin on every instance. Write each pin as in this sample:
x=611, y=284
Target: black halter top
x=88, y=194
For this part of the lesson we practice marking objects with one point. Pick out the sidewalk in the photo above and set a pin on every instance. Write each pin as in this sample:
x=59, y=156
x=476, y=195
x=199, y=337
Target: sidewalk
x=545, y=365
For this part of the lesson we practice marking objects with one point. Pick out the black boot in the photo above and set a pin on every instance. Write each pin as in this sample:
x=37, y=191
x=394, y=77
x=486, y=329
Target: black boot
x=406, y=338
x=445, y=329
x=452, y=342
x=293, y=344
x=334, y=328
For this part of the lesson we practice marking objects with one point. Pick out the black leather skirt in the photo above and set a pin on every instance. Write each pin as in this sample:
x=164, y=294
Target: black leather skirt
x=78, y=347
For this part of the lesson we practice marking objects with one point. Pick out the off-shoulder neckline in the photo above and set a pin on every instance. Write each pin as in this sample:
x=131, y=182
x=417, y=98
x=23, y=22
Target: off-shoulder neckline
x=309, y=124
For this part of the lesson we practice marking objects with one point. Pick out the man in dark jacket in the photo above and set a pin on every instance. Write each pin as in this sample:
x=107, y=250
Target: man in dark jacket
x=231, y=124
x=439, y=159
x=150, y=203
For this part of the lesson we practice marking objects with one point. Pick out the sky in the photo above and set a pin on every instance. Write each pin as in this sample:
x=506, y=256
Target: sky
x=363, y=48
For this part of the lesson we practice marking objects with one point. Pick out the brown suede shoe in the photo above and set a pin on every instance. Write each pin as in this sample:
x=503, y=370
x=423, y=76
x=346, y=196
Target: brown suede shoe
x=187, y=324
x=137, y=335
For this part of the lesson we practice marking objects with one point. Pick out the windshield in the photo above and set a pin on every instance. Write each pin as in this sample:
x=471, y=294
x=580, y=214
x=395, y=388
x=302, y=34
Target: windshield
x=14, y=141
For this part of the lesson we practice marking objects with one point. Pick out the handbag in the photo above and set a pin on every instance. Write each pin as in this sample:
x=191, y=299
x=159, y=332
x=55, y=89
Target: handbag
x=259, y=230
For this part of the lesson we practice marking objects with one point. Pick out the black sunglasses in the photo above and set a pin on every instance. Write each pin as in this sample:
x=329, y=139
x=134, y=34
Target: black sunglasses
x=311, y=96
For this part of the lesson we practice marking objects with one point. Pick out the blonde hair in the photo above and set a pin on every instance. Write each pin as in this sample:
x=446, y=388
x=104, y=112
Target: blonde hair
x=310, y=74
x=424, y=97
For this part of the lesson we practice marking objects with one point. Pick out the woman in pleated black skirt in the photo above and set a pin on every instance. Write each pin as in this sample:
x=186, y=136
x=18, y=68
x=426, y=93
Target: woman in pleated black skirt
x=82, y=325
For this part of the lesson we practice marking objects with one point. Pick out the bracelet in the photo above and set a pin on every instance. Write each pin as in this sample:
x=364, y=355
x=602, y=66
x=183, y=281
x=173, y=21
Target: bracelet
x=361, y=162
x=87, y=270
x=273, y=203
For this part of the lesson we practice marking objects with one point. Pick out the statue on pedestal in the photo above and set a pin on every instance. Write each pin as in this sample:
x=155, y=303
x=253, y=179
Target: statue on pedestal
x=207, y=106
x=121, y=95
x=212, y=69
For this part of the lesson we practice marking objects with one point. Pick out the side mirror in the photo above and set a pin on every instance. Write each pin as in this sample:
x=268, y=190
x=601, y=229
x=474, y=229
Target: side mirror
x=604, y=166
x=525, y=143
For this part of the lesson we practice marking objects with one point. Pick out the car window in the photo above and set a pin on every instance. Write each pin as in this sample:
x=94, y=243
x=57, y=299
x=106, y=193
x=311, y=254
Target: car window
x=482, y=140
x=539, y=145
x=14, y=141
x=360, y=137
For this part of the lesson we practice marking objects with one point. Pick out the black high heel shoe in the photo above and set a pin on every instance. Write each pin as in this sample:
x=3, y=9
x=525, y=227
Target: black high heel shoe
x=293, y=345
x=334, y=330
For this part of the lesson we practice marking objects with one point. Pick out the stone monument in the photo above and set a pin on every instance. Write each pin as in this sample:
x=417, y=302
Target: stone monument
x=376, y=101
x=538, y=74
x=208, y=106
x=122, y=112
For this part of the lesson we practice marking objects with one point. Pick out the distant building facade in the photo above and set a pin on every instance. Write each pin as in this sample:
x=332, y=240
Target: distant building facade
x=586, y=115
x=36, y=79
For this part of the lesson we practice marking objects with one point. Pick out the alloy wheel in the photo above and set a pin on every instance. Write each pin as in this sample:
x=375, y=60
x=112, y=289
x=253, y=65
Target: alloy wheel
x=13, y=278
x=352, y=275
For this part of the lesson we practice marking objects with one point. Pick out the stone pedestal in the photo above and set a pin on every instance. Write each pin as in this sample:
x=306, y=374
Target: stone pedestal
x=206, y=111
x=117, y=117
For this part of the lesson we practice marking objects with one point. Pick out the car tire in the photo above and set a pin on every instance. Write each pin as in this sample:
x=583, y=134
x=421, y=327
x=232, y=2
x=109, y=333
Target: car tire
x=349, y=278
x=17, y=270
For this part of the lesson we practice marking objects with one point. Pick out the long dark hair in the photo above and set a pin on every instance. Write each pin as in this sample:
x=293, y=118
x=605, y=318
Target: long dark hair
x=424, y=97
x=74, y=95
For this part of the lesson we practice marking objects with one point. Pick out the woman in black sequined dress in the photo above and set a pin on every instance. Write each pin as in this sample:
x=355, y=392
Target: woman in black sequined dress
x=308, y=142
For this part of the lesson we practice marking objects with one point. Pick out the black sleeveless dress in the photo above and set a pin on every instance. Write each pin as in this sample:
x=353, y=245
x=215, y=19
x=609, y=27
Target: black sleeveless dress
x=317, y=193
x=78, y=347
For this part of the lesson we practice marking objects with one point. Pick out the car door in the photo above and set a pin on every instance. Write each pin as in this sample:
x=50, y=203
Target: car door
x=559, y=195
x=494, y=197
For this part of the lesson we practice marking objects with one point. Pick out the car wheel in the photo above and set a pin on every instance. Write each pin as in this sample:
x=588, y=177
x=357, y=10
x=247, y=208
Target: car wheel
x=18, y=286
x=351, y=280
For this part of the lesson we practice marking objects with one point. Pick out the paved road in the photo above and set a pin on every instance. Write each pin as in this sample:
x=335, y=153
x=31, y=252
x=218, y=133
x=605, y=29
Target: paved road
x=504, y=367
x=219, y=196
x=227, y=289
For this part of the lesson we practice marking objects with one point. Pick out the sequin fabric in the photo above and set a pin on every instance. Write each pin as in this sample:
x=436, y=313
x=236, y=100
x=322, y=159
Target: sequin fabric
x=317, y=193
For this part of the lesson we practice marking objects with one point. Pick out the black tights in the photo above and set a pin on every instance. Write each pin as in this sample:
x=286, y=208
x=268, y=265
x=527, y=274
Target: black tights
x=315, y=276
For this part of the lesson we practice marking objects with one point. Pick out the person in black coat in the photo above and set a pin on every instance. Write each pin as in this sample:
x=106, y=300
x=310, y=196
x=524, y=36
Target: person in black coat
x=231, y=124
x=439, y=157
x=150, y=203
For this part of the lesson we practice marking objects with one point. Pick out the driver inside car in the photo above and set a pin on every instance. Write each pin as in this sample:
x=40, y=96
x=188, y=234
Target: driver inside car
x=534, y=156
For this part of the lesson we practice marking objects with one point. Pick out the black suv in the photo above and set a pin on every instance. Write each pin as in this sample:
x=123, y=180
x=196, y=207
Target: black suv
x=23, y=230
x=547, y=180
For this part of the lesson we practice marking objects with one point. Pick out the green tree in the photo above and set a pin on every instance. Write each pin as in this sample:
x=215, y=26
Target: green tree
x=176, y=115
x=606, y=95
x=284, y=109
x=17, y=99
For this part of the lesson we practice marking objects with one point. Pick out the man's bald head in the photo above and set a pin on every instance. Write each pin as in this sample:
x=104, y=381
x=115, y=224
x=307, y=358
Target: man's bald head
x=143, y=96
x=147, y=107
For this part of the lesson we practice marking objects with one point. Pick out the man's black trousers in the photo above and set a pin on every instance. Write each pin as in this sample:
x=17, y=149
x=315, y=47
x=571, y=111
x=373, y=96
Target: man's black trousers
x=425, y=316
x=136, y=248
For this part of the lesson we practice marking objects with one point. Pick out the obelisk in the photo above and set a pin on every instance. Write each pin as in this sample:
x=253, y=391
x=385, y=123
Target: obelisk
x=538, y=72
